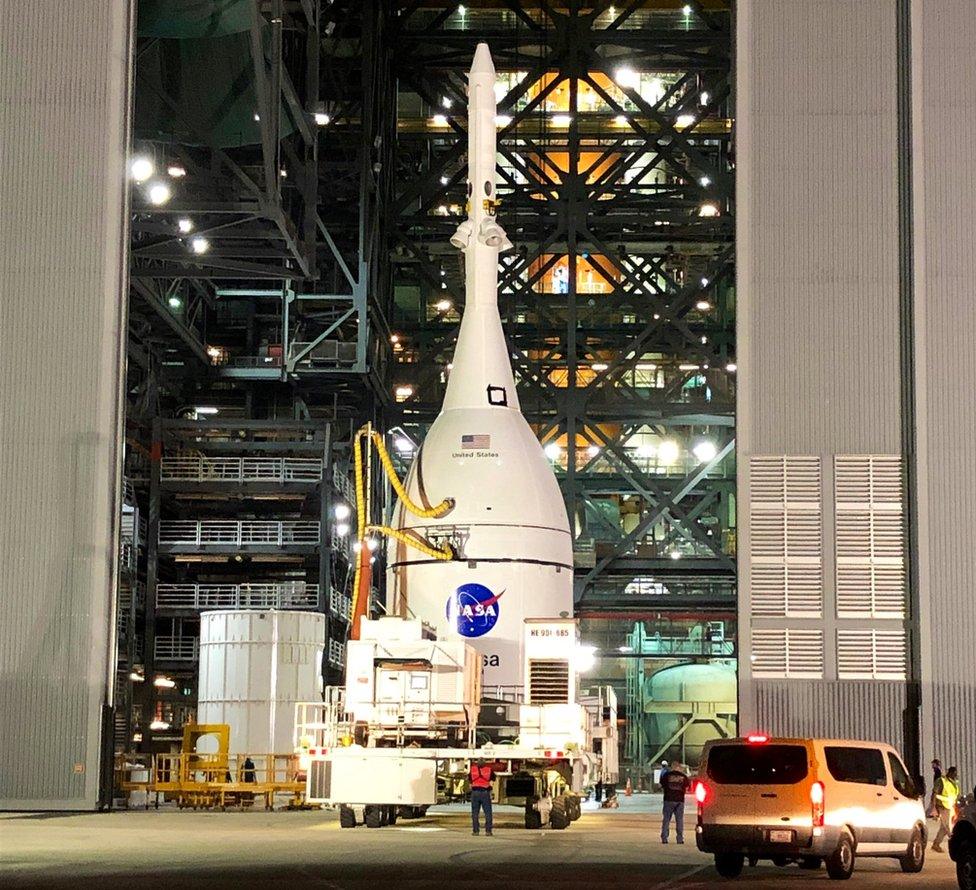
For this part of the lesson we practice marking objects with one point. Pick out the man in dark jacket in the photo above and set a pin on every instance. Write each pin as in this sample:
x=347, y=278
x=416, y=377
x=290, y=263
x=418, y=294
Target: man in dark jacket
x=674, y=783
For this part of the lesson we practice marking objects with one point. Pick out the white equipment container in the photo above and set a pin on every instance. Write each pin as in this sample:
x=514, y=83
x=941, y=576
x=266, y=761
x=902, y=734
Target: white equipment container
x=509, y=525
x=399, y=682
x=254, y=667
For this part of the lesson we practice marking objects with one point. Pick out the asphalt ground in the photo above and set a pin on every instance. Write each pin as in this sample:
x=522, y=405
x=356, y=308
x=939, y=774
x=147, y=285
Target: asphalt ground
x=167, y=848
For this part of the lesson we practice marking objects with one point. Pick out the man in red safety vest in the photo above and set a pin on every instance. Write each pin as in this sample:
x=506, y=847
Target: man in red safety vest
x=481, y=776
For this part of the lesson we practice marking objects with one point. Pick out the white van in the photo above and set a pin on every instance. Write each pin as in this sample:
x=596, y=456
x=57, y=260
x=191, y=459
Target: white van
x=809, y=801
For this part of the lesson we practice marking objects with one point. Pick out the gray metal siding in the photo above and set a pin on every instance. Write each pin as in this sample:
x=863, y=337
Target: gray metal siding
x=838, y=709
x=944, y=179
x=817, y=265
x=64, y=91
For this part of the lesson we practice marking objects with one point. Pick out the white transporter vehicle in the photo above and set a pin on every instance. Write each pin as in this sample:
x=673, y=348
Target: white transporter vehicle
x=483, y=658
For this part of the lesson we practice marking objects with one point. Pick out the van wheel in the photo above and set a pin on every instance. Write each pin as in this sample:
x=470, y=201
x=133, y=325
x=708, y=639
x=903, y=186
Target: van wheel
x=914, y=857
x=840, y=863
x=966, y=864
x=729, y=865
x=810, y=863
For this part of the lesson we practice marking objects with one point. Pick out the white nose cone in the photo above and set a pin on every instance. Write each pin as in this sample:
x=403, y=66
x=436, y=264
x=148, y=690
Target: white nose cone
x=509, y=524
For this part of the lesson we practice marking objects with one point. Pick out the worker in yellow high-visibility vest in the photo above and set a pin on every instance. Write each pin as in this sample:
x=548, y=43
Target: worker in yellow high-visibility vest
x=946, y=793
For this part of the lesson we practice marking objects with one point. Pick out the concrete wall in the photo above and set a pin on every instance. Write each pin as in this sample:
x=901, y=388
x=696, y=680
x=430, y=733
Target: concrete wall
x=944, y=200
x=64, y=95
x=818, y=311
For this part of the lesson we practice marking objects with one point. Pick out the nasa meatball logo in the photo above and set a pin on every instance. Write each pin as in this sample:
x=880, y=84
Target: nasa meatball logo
x=473, y=609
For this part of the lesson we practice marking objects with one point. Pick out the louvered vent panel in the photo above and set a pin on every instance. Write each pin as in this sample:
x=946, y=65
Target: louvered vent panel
x=870, y=536
x=548, y=681
x=871, y=654
x=787, y=652
x=786, y=537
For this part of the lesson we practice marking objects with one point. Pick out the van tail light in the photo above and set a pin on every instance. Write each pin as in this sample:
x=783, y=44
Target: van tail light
x=757, y=739
x=817, y=804
x=701, y=795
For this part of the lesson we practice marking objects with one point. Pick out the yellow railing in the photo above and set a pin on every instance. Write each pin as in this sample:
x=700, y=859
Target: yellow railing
x=210, y=781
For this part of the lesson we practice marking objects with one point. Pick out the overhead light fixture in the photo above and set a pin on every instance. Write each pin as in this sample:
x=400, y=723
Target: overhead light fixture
x=214, y=352
x=593, y=451
x=705, y=282
x=257, y=117
x=158, y=725
x=372, y=544
x=159, y=193
x=342, y=529
x=599, y=366
x=686, y=9
x=174, y=302
x=141, y=168
x=185, y=225
x=341, y=511
x=705, y=451
x=137, y=677
x=676, y=554
x=704, y=98
x=283, y=173
x=200, y=245
x=688, y=367
x=684, y=120
x=703, y=305
x=206, y=409
x=403, y=391
x=704, y=181
x=561, y=120
x=162, y=682
x=621, y=120
x=461, y=10
x=708, y=209
x=443, y=305
x=626, y=76
x=403, y=444
x=439, y=120
x=444, y=180
x=668, y=451
x=394, y=338
x=502, y=120
x=176, y=171
x=731, y=367
x=445, y=102
x=553, y=451
x=321, y=118
x=625, y=648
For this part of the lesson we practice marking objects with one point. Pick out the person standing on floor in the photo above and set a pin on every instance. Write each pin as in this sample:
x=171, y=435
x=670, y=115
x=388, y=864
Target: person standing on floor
x=936, y=775
x=675, y=784
x=481, y=775
x=946, y=794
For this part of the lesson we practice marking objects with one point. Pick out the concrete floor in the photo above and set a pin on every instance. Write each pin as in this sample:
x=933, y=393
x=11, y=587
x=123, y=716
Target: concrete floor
x=172, y=849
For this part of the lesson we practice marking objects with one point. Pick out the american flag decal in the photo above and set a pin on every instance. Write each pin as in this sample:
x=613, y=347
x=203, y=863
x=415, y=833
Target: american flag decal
x=472, y=443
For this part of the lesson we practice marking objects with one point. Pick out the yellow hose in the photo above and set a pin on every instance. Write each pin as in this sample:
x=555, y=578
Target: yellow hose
x=434, y=512
x=444, y=552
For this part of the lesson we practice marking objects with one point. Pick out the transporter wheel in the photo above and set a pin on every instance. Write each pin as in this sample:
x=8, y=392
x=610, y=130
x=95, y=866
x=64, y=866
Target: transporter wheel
x=811, y=863
x=966, y=864
x=391, y=815
x=840, y=863
x=914, y=857
x=533, y=818
x=373, y=817
x=781, y=861
x=575, y=808
x=559, y=816
x=729, y=865
x=347, y=817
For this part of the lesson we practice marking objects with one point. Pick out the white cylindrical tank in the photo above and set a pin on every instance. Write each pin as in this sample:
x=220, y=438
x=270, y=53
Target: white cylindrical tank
x=714, y=682
x=254, y=667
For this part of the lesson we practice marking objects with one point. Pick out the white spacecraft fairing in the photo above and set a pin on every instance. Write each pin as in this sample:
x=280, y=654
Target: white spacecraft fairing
x=508, y=525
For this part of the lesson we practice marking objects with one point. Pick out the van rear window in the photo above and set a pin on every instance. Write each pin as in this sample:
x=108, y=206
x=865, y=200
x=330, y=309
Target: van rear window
x=757, y=764
x=863, y=766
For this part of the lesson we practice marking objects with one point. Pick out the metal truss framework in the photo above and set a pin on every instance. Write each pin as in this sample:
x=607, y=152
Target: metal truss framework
x=636, y=193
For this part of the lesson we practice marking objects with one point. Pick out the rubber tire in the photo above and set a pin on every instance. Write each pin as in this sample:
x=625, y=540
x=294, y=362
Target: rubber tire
x=373, y=817
x=811, y=863
x=914, y=859
x=729, y=865
x=840, y=863
x=559, y=815
x=391, y=815
x=575, y=808
x=533, y=818
x=347, y=817
x=966, y=864
x=780, y=861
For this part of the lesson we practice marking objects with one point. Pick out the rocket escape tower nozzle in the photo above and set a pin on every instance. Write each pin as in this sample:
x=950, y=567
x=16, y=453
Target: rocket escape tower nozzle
x=481, y=376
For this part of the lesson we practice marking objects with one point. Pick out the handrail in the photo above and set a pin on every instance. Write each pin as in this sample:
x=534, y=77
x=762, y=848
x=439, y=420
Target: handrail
x=203, y=468
x=238, y=532
x=274, y=595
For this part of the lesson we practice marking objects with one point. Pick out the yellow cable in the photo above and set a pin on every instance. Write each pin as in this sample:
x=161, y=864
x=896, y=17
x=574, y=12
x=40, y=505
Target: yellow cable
x=361, y=508
x=444, y=552
x=434, y=512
